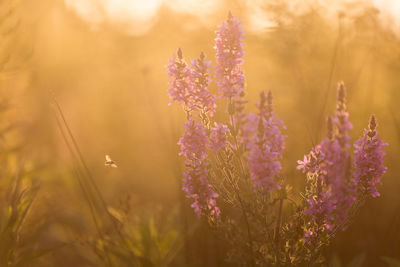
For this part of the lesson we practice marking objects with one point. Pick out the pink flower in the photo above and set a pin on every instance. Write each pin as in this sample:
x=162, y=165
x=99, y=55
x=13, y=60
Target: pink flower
x=341, y=119
x=198, y=188
x=229, y=46
x=368, y=160
x=335, y=148
x=194, y=142
x=305, y=164
x=336, y=193
x=337, y=177
x=265, y=146
x=322, y=206
x=189, y=83
x=308, y=165
x=264, y=167
x=249, y=130
x=336, y=161
x=202, y=98
x=180, y=82
x=218, y=137
x=193, y=146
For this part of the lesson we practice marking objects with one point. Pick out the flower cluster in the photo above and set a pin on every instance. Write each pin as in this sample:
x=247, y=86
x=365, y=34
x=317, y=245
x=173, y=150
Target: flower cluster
x=368, y=160
x=189, y=87
x=335, y=147
x=194, y=143
x=180, y=81
x=239, y=162
x=229, y=46
x=336, y=167
x=265, y=144
x=193, y=146
x=341, y=118
x=189, y=84
x=338, y=186
x=320, y=204
x=218, y=137
x=200, y=74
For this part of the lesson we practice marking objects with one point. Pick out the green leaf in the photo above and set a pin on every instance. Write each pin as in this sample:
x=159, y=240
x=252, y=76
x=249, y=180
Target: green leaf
x=36, y=254
x=335, y=261
x=165, y=244
x=357, y=261
x=392, y=262
x=115, y=214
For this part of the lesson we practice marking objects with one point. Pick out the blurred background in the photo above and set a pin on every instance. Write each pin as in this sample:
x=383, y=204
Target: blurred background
x=104, y=62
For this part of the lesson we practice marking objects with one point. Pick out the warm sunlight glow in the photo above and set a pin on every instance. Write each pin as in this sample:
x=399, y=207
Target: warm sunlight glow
x=138, y=10
x=137, y=16
x=392, y=8
x=193, y=7
x=217, y=133
x=90, y=10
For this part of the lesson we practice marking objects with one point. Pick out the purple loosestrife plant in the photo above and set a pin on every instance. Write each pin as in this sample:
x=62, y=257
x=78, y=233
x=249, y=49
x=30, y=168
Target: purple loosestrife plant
x=368, y=160
x=266, y=151
x=180, y=82
x=219, y=137
x=203, y=99
x=340, y=164
x=189, y=84
x=336, y=179
x=341, y=118
x=234, y=171
x=319, y=202
x=335, y=188
x=229, y=46
x=189, y=88
x=194, y=147
x=229, y=73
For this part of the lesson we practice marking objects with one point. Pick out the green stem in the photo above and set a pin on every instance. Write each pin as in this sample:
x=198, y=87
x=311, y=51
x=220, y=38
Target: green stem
x=243, y=208
x=277, y=228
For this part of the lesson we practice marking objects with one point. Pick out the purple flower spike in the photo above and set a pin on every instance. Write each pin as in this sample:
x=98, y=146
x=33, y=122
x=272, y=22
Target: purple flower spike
x=194, y=147
x=266, y=151
x=319, y=202
x=218, y=137
x=180, y=82
x=194, y=142
x=229, y=46
x=202, y=98
x=341, y=118
x=322, y=207
x=198, y=188
x=337, y=161
x=334, y=169
x=189, y=83
x=368, y=160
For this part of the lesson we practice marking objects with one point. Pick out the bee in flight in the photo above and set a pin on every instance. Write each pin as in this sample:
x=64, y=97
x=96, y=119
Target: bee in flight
x=110, y=162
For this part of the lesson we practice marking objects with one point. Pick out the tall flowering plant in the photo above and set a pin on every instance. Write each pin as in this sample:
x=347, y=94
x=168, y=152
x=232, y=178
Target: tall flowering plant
x=338, y=185
x=233, y=170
